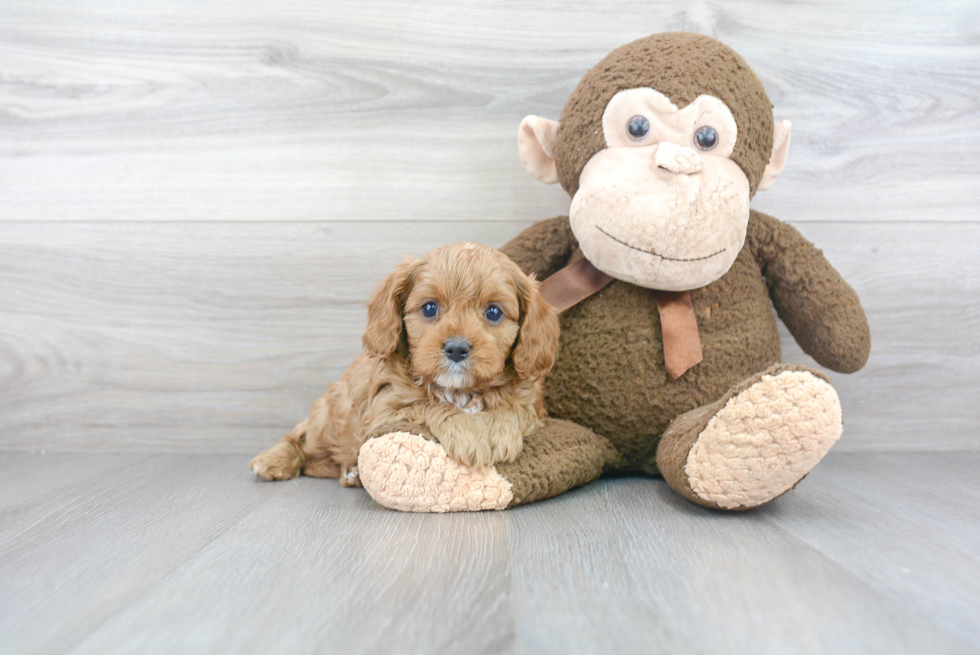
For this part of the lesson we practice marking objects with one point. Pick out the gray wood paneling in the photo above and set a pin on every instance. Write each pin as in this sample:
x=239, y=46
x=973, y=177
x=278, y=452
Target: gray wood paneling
x=381, y=110
x=196, y=198
x=195, y=201
x=218, y=336
x=873, y=553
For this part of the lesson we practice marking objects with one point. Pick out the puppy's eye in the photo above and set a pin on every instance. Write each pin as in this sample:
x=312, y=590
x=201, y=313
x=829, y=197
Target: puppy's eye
x=494, y=314
x=430, y=309
x=638, y=127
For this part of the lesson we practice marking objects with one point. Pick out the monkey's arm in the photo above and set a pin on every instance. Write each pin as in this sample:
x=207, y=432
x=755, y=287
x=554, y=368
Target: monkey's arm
x=820, y=309
x=543, y=248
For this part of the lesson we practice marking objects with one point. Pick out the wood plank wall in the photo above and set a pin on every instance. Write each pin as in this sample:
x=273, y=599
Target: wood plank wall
x=197, y=197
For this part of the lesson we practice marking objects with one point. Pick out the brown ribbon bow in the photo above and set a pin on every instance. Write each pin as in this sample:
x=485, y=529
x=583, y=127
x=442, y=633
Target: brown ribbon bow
x=682, y=344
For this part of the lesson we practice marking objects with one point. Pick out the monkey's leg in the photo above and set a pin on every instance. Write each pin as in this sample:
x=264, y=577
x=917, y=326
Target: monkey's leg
x=754, y=444
x=407, y=471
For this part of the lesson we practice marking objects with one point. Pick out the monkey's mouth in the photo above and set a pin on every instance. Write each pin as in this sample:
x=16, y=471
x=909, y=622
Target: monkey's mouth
x=650, y=252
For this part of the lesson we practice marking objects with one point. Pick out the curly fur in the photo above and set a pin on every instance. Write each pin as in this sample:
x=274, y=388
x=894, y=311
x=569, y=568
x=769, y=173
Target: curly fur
x=478, y=409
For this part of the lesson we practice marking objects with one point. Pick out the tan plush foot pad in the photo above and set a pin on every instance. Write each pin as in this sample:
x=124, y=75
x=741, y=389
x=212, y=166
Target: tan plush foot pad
x=412, y=474
x=764, y=440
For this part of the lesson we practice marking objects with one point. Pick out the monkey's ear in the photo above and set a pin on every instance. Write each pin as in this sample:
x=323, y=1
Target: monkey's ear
x=536, y=140
x=780, y=149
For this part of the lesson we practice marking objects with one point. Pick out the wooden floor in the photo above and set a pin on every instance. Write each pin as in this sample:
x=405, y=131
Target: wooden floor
x=100, y=553
x=197, y=198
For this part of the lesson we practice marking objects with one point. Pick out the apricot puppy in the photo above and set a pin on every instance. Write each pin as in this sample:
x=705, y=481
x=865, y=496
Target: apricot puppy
x=457, y=346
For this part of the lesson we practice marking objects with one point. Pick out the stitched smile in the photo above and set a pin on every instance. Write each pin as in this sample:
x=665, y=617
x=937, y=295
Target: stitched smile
x=648, y=252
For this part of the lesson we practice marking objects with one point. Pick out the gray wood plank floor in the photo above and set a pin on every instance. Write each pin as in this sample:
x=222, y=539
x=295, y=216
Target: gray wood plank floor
x=102, y=553
x=195, y=200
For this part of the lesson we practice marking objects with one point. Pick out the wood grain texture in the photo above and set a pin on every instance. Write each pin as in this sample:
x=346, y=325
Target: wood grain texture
x=196, y=198
x=385, y=110
x=218, y=336
x=188, y=553
x=937, y=533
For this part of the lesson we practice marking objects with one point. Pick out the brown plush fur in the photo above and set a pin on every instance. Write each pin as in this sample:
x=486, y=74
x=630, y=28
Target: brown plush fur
x=682, y=66
x=614, y=407
x=611, y=376
x=479, y=409
x=610, y=387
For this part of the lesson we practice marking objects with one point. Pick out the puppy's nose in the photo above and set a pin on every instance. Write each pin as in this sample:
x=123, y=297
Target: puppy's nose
x=457, y=349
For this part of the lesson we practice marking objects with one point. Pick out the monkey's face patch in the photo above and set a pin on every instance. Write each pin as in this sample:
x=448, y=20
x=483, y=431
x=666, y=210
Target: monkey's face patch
x=663, y=206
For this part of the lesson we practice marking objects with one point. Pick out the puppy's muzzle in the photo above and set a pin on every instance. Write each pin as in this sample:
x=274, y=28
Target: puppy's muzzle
x=456, y=349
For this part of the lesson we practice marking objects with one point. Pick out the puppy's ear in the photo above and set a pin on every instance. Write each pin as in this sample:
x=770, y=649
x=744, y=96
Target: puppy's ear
x=537, y=343
x=384, y=321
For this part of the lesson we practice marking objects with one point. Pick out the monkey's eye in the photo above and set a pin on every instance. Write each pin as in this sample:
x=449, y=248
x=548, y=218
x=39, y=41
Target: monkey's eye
x=430, y=309
x=706, y=137
x=494, y=314
x=638, y=128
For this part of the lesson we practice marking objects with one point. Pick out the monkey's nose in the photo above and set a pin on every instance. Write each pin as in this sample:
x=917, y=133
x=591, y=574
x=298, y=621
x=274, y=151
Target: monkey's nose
x=677, y=159
x=456, y=349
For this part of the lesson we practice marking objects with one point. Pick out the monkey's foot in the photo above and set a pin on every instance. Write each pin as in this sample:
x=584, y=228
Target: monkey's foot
x=409, y=473
x=754, y=444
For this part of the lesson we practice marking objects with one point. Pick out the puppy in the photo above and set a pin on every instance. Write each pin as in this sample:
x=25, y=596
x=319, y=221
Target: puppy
x=457, y=346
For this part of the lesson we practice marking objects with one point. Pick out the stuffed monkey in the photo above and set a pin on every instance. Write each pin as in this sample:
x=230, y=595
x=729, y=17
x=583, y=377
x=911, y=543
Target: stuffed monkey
x=667, y=280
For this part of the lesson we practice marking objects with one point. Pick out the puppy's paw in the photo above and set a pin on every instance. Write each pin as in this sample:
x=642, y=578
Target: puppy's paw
x=505, y=446
x=281, y=462
x=468, y=450
x=409, y=473
x=350, y=477
x=466, y=439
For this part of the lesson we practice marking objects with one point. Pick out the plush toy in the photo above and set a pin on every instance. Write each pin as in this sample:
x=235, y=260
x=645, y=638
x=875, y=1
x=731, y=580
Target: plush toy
x=670, y=357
